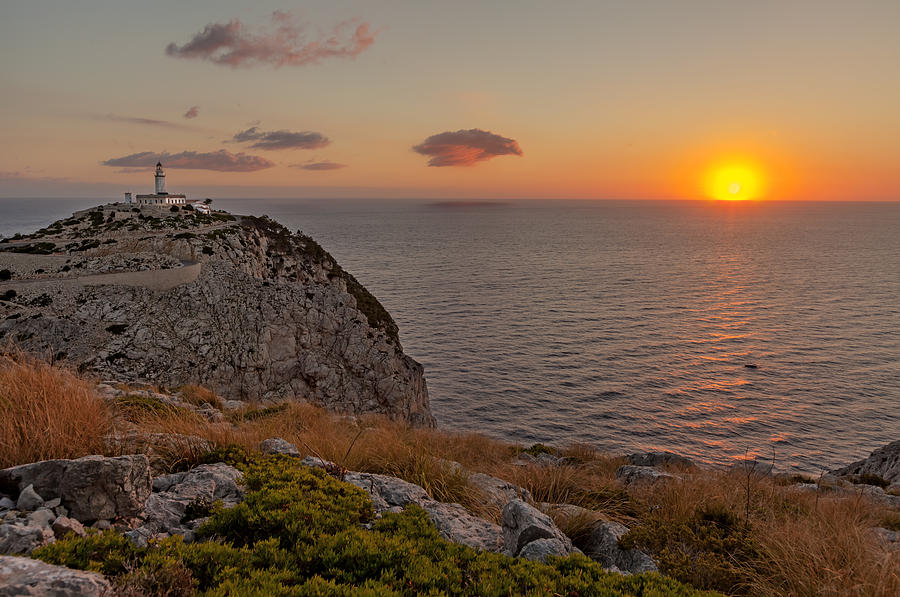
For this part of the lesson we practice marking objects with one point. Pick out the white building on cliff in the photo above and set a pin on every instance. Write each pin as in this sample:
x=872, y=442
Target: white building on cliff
x=160, y=197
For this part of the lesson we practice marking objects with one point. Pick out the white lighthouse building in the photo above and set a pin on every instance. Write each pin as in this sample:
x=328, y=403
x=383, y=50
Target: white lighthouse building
x=160, y=179
x=160, y=197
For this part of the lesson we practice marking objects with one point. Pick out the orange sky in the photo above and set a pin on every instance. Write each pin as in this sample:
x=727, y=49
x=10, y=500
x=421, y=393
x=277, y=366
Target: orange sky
x=585, y=100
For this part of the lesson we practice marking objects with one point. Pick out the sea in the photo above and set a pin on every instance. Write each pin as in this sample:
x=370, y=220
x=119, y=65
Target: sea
x=716, y=330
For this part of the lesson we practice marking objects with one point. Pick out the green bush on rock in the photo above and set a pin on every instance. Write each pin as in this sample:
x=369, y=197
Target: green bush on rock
x=300, y=532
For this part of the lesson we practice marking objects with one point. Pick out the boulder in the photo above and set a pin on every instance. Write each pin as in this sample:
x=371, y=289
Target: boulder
x=659, y=459
x=167, y=507
x=500, y=492
x=388, y=492
x=602, y=546
x=276, y=445
x=6, y=503
x=523, y=524
x=22, y=539
x=456, y=524
x=42, y=517
x=641, y=475
x=90, y=488
x=29, y=500
x=63, y=525
x=883, y=462
x=22, y=577
x=539, y=549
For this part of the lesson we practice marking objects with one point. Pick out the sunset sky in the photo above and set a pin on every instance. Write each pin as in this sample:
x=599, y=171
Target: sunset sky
x=464, y=99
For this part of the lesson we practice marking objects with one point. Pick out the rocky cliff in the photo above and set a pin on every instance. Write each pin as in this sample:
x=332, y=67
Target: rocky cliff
x=235, y=303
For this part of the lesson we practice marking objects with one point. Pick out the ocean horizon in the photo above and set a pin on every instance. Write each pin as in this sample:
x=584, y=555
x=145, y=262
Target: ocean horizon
x=714, y=330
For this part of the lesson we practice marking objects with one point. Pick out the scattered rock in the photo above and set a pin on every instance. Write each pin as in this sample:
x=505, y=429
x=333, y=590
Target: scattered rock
x=883, y=462
x=166, y=510
x=233, y=404
x=41, y=518
x=539, y=549
x=602, y=546
x=63, y=525
x=639, y=475
x=6, y=503
x=388, y=492
x=29, y=499
x=890, y=538
x=23, y=539
x=523, y=524
x=26, y=577
x=456, y=524
x=276, y=445
x=91, y=488
x=659, y=459
x=498, y=491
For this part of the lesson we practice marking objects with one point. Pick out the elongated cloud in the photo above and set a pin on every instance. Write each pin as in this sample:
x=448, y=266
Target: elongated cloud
x=319, y=166
x=282, y=139
x=221, y=161
x=147, y=121
x=284, y=43
x=465, y=147
x=192, y=112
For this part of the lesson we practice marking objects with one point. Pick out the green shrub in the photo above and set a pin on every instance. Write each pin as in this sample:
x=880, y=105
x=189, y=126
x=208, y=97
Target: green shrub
x=300, y=532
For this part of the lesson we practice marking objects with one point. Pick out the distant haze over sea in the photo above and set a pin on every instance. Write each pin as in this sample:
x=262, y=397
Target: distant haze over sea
x=629, y=325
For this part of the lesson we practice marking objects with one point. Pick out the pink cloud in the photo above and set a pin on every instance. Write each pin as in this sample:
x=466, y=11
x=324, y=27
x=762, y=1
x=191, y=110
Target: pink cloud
x=465, y=147
x=282, y=44
x=192, y=112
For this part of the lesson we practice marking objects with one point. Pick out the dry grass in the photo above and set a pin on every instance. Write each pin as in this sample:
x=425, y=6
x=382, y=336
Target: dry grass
x=199, y=396
x=48, y=412
x=830, y=552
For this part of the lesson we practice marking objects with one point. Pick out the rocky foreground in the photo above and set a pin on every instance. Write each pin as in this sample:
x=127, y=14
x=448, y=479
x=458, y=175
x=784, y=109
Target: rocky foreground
x=238, y=304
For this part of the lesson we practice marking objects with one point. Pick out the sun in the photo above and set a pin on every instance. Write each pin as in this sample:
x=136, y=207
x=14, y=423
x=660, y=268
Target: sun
x=734, y=182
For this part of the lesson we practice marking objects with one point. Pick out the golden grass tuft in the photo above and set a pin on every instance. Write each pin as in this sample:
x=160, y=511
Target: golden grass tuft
x=199, y=396
x=48, y=412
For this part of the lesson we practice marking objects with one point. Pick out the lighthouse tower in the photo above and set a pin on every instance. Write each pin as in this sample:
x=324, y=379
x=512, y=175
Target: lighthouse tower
x=160, y=179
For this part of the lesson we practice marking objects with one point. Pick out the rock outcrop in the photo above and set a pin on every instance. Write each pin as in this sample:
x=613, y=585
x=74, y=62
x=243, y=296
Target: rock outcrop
x=240, y=305
x=883, y=462
x=90, y=488
x=21, y=577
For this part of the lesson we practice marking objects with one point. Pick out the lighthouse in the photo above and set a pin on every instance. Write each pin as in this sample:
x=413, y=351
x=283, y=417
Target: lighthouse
x=160, y=179
x=161, y=197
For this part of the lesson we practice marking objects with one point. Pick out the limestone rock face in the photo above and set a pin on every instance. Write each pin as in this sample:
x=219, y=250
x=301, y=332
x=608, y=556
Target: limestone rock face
x=90, y=488
x=22, y=577
x=254, y=312
x=883, y=462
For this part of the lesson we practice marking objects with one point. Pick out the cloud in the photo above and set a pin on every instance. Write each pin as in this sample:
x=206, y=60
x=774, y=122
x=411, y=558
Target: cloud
x=319, y=166
x=282, y=44
x=282, y=139
x=465, y=148
x=221, y=161
x=148, y=121
x=192, y=112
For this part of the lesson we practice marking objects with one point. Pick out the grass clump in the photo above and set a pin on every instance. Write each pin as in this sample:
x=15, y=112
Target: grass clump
x=47, y=412
x=138, y=408
x=200, y=396
x=300, y=532
x=707, y=550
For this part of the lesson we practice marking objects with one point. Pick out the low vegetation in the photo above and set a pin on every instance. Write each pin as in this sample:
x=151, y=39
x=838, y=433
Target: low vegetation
x=735, y=532
x=299, y=532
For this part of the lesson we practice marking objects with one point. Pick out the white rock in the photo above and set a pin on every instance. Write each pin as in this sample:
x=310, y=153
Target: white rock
x=27, y=577
x=523, y=524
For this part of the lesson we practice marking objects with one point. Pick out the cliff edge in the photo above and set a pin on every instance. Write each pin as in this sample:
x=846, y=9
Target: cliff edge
x=235, y=303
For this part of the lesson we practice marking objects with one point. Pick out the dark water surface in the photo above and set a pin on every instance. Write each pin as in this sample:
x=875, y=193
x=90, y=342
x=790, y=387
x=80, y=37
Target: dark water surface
x=628, y=325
